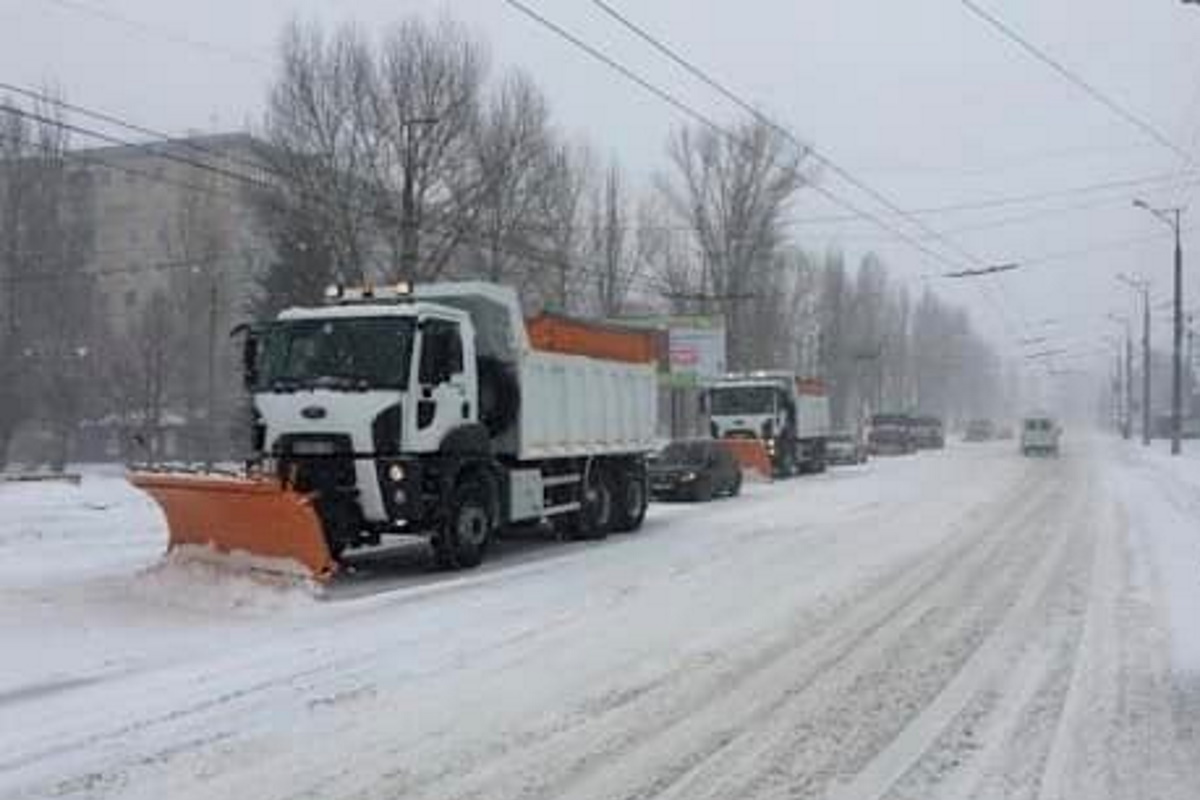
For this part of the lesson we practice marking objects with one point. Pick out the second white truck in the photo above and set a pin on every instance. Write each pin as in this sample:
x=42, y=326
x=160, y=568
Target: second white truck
x=787, y=413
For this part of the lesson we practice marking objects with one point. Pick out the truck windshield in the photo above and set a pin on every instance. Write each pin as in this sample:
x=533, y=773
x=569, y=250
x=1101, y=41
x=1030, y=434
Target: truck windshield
x=350, y=354
x=742, y=400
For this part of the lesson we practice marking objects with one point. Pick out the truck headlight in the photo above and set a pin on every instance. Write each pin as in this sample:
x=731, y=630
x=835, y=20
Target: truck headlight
x=395, y=473
x=687, y=477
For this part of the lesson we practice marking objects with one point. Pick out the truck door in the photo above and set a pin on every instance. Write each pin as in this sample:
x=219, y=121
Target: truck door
x=441, y=401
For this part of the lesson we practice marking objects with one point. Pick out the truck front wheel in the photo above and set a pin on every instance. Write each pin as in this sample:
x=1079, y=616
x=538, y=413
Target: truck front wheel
x=465, y=535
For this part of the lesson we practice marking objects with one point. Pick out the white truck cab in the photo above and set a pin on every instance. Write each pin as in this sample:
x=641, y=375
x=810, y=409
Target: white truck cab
x=787, y=413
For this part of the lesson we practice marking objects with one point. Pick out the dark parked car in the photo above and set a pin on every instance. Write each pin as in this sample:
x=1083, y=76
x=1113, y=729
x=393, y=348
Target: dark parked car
x=891, y=434
x=929, y=433
x=694, y=469
x=846, y=447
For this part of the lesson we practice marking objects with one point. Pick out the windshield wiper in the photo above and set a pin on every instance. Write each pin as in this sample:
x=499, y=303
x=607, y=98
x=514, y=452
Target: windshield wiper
x=285, y=385
x=342, y=382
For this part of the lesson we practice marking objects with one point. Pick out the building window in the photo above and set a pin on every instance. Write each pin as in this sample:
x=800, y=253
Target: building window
x=130, y=298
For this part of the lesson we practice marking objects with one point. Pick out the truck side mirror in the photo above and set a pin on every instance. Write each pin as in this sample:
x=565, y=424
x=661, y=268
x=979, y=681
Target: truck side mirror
x=250, y=361
x=249, y=354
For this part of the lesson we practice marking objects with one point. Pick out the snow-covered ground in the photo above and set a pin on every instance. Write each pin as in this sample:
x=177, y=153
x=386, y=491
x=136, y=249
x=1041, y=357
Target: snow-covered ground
x=957, y=624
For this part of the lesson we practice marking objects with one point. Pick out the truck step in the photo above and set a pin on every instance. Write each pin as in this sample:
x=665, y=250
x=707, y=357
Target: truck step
x=564, y=508
x=561, y=480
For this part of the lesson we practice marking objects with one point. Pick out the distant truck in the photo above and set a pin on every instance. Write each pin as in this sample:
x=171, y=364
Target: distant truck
x=892, y=435
x=789, y=414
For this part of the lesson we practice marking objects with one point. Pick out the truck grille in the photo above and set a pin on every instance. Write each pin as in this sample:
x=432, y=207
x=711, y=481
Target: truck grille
x=316, y=462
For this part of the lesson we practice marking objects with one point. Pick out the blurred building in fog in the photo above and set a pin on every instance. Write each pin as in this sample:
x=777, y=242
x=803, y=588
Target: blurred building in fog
x=176, y=250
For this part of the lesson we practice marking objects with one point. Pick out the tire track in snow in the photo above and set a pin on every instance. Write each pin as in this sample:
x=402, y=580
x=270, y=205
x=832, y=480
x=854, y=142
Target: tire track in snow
x=803, y=656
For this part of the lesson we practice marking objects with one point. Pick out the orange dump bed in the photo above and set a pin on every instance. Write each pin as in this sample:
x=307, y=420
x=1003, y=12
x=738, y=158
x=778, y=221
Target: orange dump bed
x=555, y=333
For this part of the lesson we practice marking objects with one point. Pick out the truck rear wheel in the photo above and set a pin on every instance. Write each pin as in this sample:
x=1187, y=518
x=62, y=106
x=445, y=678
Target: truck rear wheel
x=467, y=531
x=632, y=498
x=595, y=516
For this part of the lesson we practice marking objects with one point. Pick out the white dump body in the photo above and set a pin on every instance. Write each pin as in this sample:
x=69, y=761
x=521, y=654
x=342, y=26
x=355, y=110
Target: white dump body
x=812, y=416
x=574, y=406
x=570, y=405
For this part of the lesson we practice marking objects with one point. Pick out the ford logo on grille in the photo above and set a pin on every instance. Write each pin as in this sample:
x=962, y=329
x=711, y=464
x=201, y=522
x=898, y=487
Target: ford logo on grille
x=313, y=412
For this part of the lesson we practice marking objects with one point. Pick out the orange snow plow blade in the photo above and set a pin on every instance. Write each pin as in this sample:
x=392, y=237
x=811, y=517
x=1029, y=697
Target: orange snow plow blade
x=752, y=455
x=273, y=528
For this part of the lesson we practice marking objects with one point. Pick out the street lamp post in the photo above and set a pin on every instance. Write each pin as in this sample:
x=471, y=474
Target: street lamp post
x=1171, y=216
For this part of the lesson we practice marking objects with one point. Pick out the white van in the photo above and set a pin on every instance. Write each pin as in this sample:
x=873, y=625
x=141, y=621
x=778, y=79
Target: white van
x=1039, y=436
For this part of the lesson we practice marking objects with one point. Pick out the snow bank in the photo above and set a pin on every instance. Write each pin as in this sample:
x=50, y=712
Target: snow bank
x=1162, y=498
x=197, y=579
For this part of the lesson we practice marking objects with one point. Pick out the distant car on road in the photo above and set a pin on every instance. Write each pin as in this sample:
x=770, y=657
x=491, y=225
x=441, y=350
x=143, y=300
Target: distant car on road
x=929, y=433
x=980, y=430
x=891, y=434
x=694, y=469
x=1040, y=436
x=846, y=447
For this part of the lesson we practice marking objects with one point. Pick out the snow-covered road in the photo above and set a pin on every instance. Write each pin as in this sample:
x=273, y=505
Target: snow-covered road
x=957, y=624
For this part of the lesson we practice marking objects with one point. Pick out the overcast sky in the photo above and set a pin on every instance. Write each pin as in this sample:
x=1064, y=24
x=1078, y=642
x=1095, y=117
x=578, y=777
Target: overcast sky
x=916, y=97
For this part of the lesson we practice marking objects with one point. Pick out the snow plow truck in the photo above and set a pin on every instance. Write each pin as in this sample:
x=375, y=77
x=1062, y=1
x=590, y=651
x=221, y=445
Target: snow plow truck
x=424, y=411
x=780, y=420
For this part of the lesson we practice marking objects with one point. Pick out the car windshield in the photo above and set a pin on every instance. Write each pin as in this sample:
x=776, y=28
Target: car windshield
x=731, y=400
x=355, y=353
x=685, y=454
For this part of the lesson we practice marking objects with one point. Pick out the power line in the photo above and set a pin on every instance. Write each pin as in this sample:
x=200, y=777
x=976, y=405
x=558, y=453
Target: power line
x=114, y=18
x=1010, y=33
x=704, y=120
x=804, y=148
x=189, y=143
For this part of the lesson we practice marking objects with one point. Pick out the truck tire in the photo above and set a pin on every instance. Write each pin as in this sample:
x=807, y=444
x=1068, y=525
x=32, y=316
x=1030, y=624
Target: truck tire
x=467, y=530
x=632, y=497
x=594, y=519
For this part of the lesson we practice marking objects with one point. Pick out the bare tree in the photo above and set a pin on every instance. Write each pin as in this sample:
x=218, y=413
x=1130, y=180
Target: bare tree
x=513, y=158
x=733, y=193
x=560, y=211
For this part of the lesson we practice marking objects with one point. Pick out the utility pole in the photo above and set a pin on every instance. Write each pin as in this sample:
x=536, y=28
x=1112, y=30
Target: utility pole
x=1128, y=429
x=1177, y=347
x=1142, y=287
x=211, y=417
x=1173, y=218
x=1127, y=386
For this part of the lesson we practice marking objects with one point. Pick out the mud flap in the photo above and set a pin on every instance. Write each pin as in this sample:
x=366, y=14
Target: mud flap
x=257, y=519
